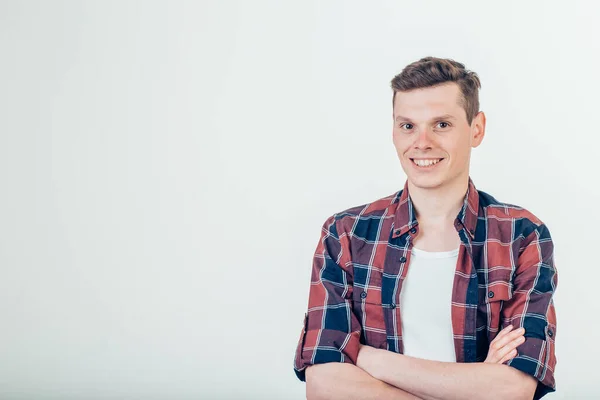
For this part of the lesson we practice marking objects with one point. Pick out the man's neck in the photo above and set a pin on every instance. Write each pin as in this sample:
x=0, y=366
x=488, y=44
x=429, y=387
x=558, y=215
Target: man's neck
x=439, y=206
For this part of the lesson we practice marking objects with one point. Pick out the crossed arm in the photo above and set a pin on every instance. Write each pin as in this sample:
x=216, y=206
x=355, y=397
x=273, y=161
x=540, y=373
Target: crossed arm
x=378, y=377
x=445, y=380
x=381, y=374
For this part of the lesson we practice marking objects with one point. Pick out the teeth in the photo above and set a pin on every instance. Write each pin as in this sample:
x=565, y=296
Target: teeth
x=426, y=163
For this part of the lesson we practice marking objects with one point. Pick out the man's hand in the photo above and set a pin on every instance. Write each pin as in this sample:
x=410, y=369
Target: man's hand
x=504, y=346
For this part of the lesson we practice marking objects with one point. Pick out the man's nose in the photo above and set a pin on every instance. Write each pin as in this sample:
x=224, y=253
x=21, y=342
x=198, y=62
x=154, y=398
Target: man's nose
x=423, y=139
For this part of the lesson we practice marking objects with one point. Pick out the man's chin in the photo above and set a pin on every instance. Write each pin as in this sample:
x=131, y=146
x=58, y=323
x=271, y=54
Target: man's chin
x=426, y=182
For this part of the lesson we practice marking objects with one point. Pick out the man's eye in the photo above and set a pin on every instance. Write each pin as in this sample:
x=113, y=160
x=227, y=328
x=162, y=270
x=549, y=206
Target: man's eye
x=447, y=124
x=403, y=125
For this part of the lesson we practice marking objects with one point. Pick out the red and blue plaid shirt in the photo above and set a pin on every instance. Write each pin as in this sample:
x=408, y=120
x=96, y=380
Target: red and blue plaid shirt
x=505, y=274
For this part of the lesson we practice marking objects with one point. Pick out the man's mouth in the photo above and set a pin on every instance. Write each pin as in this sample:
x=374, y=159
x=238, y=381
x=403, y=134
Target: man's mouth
x=426, y=162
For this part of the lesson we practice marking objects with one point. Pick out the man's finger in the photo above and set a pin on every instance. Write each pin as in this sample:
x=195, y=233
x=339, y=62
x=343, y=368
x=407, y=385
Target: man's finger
x=509, y=355
x=517, y=341
x=510, y=349
x=504, y=331
x=514, y=334
x=506, y=348
x=500, y=342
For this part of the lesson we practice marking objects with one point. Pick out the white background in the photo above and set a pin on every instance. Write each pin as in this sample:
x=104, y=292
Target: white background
x=165, y=168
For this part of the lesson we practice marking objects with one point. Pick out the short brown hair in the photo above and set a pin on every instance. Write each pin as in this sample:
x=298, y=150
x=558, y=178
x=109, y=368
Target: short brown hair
x=431, y=71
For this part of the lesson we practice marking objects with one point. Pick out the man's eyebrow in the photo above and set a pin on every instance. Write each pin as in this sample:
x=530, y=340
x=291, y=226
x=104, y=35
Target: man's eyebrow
x=445, y=116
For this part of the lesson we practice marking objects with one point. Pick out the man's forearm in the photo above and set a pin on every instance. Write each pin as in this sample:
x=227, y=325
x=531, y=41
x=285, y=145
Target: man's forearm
x=445, y=380
x=345, y=381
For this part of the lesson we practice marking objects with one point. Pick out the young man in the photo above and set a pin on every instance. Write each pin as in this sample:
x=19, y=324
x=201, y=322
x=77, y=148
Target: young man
x=437, y=291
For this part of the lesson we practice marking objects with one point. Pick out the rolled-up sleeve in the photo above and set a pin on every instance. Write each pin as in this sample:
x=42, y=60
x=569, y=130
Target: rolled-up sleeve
x=532, y=307
x=331, y=330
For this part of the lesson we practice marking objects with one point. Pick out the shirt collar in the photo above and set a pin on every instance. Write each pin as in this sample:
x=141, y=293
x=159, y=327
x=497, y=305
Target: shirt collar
x=405, y=218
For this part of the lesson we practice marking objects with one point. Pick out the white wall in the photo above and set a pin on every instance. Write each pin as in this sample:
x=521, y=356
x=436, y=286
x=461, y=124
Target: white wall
x=165, y=168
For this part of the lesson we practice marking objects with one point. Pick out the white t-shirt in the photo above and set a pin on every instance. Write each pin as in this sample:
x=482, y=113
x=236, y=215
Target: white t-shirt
x=425, y=305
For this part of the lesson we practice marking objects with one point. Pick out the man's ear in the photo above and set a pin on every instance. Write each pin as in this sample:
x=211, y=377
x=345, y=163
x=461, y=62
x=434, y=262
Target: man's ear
x=477, y=129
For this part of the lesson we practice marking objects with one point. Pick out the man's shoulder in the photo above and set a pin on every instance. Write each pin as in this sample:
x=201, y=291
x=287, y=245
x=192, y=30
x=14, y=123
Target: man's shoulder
x=515, y=216
x=380, y=207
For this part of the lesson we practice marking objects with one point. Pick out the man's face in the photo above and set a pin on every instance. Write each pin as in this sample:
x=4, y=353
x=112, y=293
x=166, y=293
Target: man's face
x=431, y=129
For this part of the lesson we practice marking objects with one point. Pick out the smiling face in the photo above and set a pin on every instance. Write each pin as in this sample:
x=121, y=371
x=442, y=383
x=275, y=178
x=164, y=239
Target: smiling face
x=432, y=137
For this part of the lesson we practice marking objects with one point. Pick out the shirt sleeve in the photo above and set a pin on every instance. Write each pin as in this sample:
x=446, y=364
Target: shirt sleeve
x=331, y=330
x=532, y=307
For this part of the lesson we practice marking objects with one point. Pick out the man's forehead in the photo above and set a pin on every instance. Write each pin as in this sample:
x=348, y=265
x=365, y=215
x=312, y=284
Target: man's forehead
x=428, y=102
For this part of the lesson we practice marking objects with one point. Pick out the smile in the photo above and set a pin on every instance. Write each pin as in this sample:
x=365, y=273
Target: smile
x=426, y=163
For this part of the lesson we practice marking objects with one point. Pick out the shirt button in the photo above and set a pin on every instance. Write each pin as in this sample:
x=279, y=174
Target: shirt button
x=397, y=231
x=363, y=295
x=413, y=230
x=402, y=259
x=490, y=294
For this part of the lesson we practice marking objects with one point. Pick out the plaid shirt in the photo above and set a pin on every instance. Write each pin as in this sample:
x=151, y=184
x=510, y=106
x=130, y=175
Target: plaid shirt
x=505, y=274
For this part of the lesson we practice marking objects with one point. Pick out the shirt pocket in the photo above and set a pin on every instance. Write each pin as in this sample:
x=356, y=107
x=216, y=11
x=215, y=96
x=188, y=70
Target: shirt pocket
x=497, y=292
x=369, y=308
